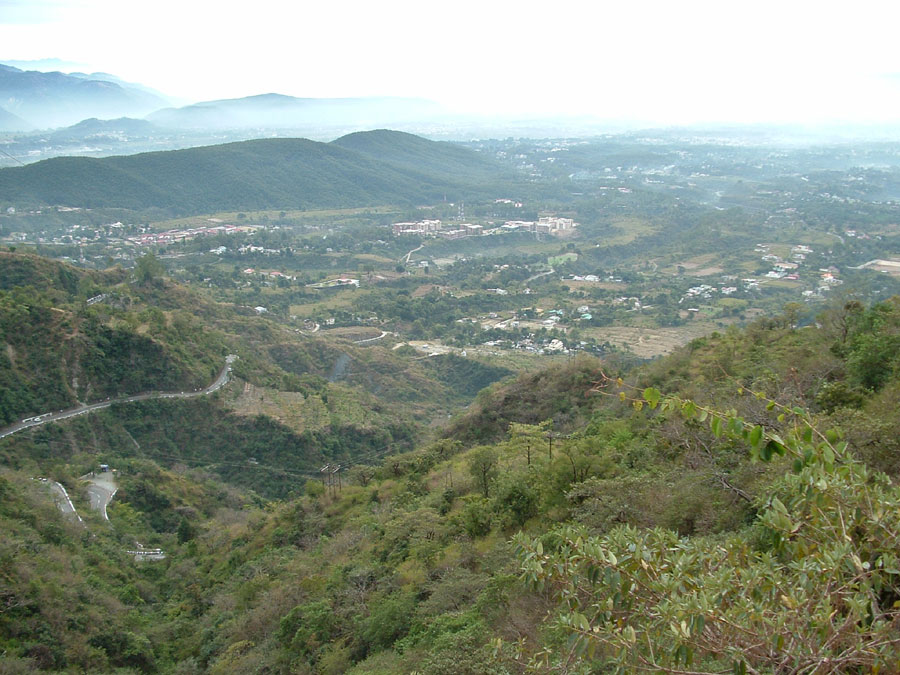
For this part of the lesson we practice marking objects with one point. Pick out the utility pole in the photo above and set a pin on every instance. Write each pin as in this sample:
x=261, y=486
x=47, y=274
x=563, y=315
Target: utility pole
x=335, y=470
x=325, y=476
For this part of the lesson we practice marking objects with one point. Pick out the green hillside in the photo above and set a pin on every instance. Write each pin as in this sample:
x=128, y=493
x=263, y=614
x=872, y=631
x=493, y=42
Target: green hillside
x=296, y=401
x=258, y=174
x=415, y=154
x=655, y=530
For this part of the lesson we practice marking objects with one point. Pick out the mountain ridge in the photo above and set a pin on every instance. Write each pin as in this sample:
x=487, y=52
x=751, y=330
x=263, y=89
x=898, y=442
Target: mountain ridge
x=274, y=110
x=55, y=99
x=255, y=174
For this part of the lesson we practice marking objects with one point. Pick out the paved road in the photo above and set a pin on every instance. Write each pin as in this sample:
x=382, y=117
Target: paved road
x=38, y=420
x=61, y=497
x=100, y=491
x=537, y=276
x=377, y=337
x=407, y=256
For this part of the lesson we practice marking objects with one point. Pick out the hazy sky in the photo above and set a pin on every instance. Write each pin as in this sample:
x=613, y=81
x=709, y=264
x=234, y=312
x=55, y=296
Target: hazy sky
x=655, y=61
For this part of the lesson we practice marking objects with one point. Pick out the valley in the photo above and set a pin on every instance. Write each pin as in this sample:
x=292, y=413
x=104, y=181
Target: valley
x=388, y=405
x=404, y=339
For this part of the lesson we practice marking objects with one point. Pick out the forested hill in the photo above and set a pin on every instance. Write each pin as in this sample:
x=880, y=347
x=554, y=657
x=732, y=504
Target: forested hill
x=71, y=336
x=259, y=174
x=414, y=153
x=722, y=509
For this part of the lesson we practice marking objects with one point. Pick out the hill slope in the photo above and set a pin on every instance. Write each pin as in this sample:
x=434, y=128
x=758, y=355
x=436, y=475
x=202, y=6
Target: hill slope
x=287, y=406
x=414, y=153
x=258, y=174
x=708, y=527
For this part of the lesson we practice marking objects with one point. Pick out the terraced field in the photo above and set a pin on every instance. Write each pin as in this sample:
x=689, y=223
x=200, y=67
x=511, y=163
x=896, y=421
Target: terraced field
x=648, y=343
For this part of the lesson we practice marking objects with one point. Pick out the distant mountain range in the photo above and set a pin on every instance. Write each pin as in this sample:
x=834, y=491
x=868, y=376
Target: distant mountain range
x=275, y=111
x=93, y=128
x=362, y=169
x=45, y=100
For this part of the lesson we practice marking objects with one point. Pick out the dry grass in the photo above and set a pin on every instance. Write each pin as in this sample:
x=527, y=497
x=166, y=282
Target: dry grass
x=649, y=343
x=288, y=407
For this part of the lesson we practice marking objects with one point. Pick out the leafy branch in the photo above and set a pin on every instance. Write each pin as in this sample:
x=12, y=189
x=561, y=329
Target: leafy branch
x=813, y=586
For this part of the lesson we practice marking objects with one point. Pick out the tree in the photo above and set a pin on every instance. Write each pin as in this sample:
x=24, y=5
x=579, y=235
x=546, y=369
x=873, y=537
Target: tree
x=185, y=531
x=792, y=312
x=527, y=438
x=148, y=269
x=483, y=467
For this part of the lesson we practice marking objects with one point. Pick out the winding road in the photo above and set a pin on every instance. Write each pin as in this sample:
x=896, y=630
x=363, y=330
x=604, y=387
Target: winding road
x=542, y=274
x=38, y=420
x=61, y=497
x=407, y=256
x=100, y=491
x=372, y=339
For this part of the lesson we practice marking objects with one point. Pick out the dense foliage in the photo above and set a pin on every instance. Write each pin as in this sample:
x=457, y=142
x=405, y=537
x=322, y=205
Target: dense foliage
x=732, y=525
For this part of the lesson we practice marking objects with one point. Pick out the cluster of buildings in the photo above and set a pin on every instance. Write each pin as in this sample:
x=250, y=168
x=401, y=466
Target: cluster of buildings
x=435, y=228
x=173, y=236
x=250, y=248
x=705, y=291
x=784, y=269
x=273, y=274
x=544, y=225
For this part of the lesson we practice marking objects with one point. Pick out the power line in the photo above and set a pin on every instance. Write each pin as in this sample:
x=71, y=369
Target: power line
x=15, y=159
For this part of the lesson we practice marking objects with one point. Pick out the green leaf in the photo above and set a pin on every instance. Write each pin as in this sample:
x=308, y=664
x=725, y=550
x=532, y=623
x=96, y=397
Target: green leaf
x=689, y=409
x=716, y=426
x=699, y=623
x=652, y=396
x=756, y=435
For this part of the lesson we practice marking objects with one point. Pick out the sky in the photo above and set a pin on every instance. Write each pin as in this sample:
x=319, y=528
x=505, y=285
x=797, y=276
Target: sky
x=672, y=62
